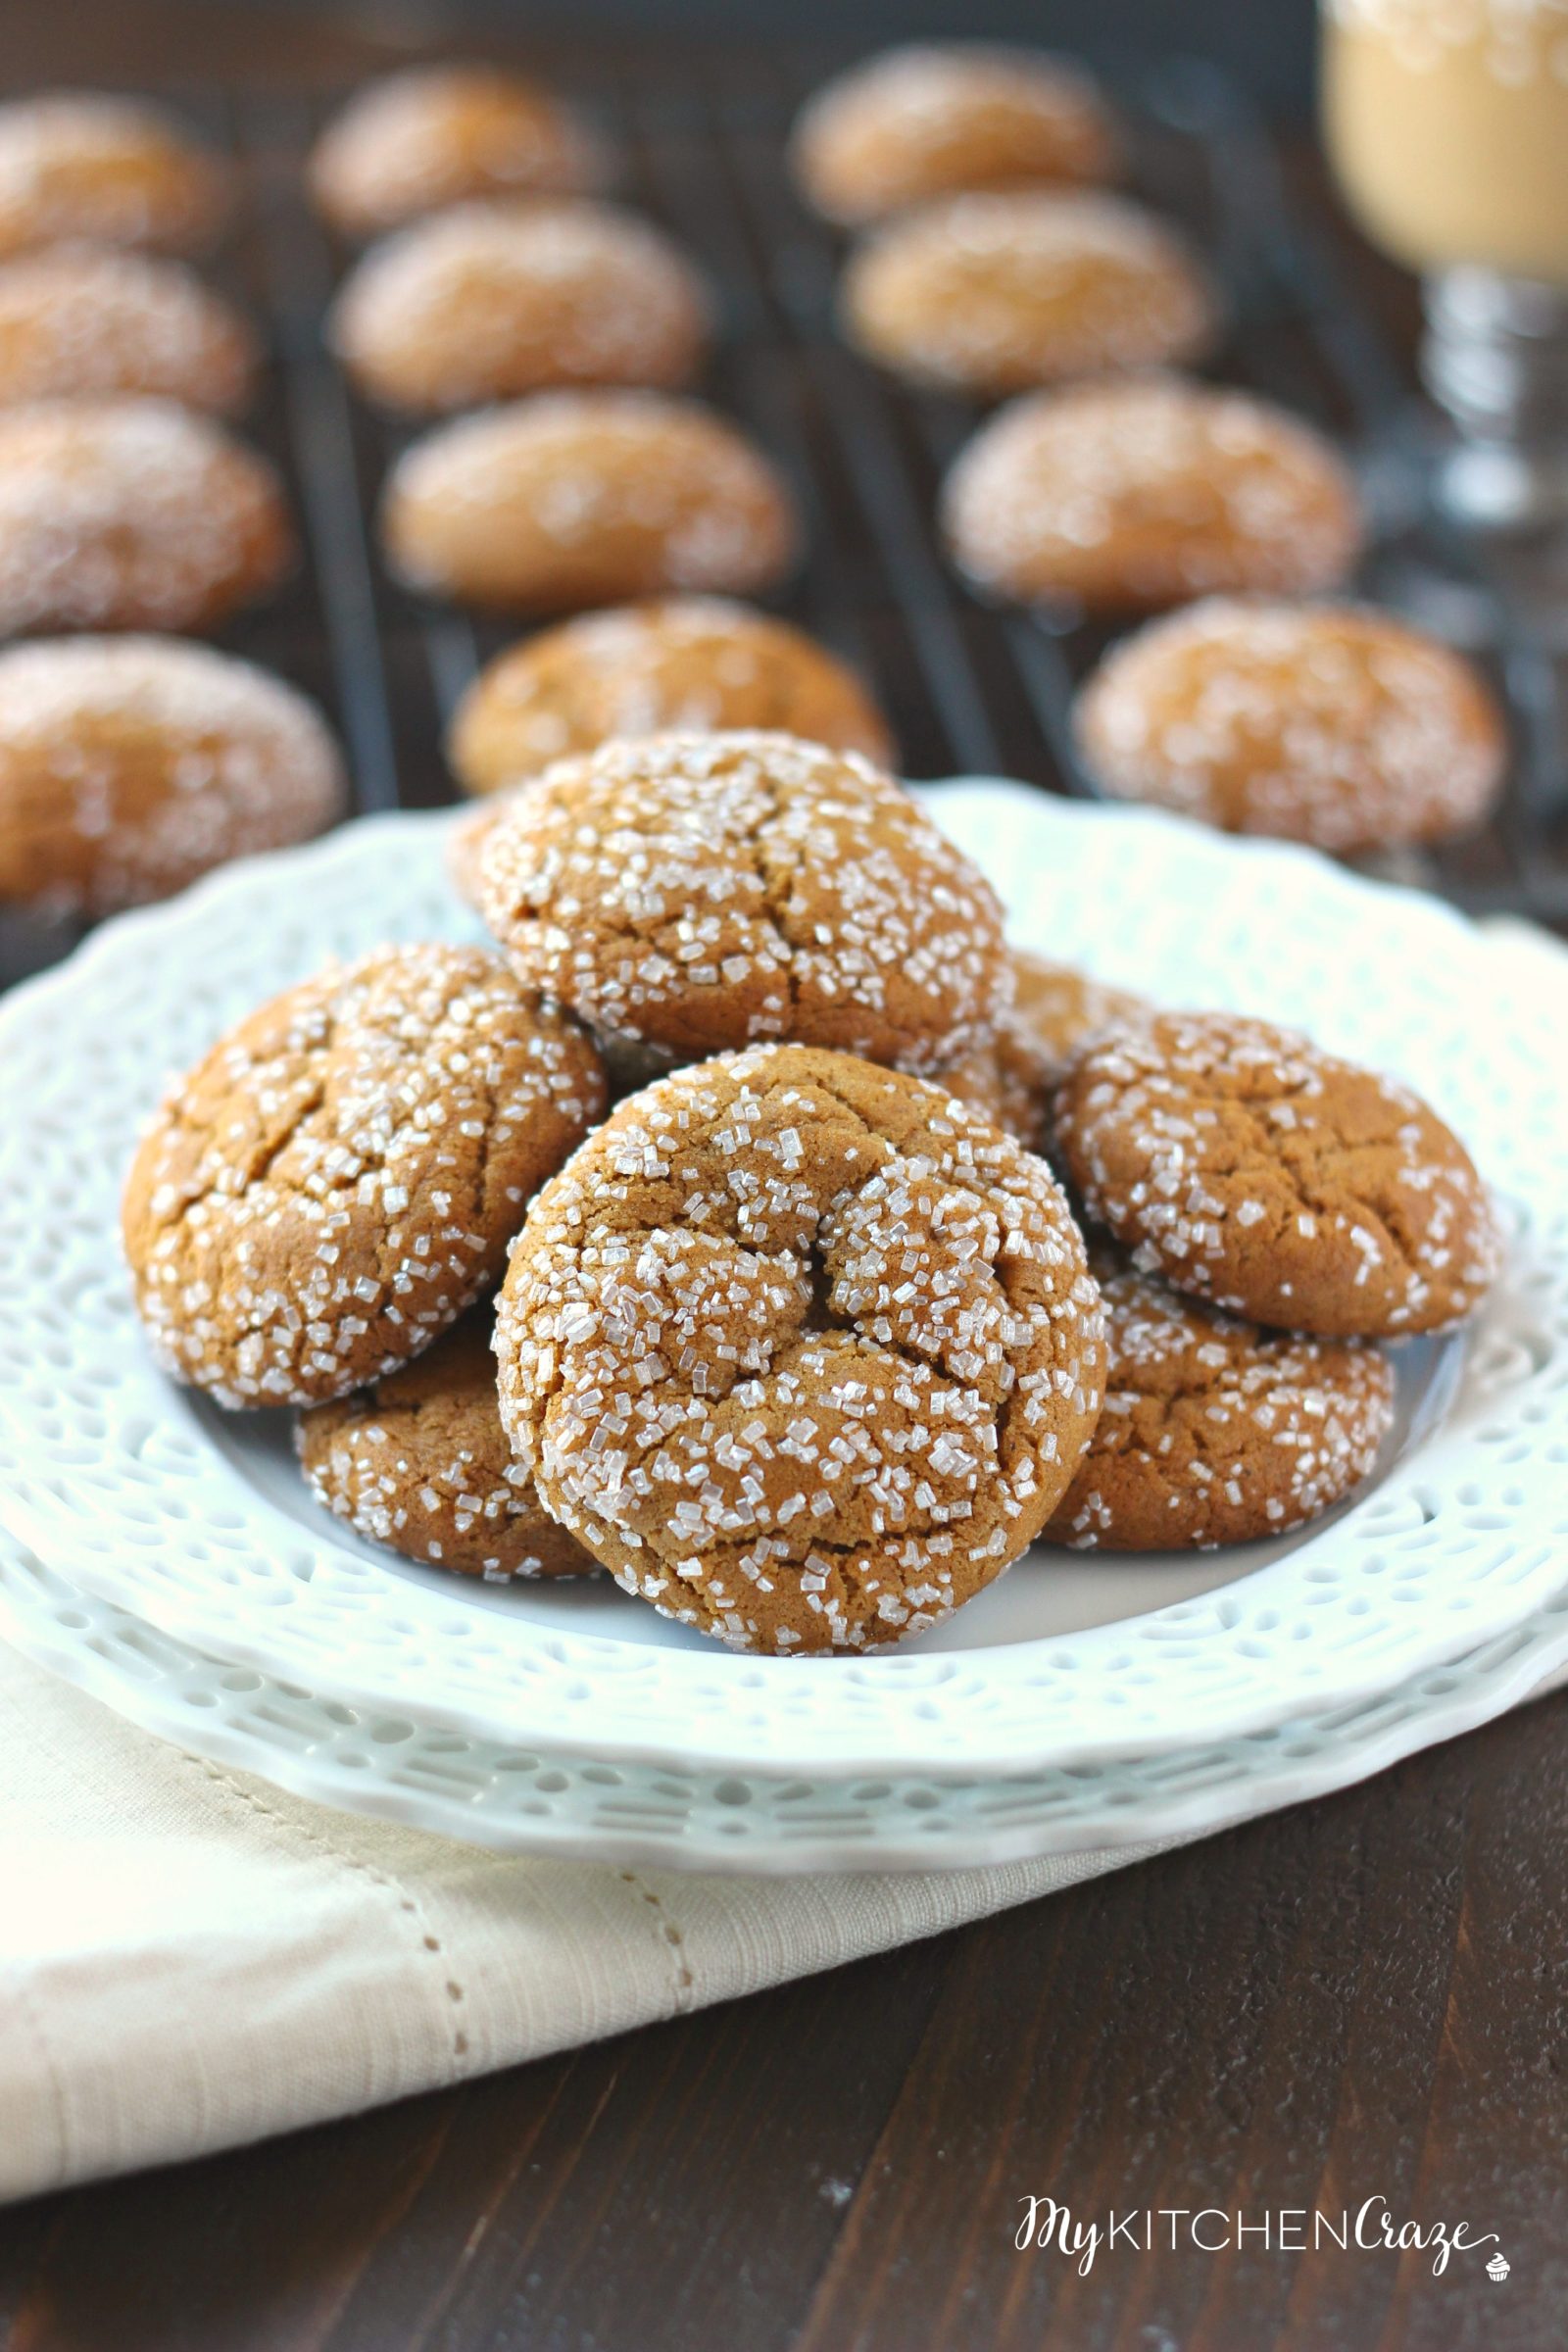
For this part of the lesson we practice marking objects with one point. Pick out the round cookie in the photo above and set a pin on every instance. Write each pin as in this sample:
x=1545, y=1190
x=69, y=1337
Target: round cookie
x=931, y=119
x=703, y=891
x=572, y=499
x=488, y=301
x=685, y=663
x=439, y=134
x=1128, y=496
x=1329, y=723
x=421, y=1462
x=1212, y=1431
x=129, y=765
x=80, y=323
x=1254, y=1170
x=991, y=294
x=77, y=165
x=1055, y=1010
x=131, y=515
x=804, y=1352
x=339, y=1177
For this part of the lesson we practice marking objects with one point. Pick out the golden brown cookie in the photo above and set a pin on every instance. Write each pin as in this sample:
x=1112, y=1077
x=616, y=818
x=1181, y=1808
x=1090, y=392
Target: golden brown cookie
x=129, y=765
x=1054, y=1009
x=1329, y=723
x=131, y=515
x=932, y=118
x=488, y=301
x=421, y=1462
x=1213, y=1431
x=83, y=324
x=338, y=1178
x=703, y=891
x=438, y=135
x=801, y=1349
x=586, y=498
x=1127, y=496
x=989, y=294
x=682, y=664
x=1255, y=1171
x=77, y=165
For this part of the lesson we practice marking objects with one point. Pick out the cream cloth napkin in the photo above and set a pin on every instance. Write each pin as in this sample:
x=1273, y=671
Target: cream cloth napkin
x=191, y=1958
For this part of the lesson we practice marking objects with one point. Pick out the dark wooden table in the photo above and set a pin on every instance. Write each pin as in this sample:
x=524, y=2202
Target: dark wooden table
x=1365, y=1999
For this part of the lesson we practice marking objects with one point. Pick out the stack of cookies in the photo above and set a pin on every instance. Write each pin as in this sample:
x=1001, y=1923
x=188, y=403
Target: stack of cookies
x=807, y=1339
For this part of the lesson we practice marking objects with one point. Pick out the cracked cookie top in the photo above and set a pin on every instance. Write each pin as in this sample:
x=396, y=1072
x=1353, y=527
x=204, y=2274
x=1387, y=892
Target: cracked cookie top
x=1255, y=1171
x=420, y=1461
x=801, y=1350
x=701, y=891
x=1214, y=1431
x=338, y=1178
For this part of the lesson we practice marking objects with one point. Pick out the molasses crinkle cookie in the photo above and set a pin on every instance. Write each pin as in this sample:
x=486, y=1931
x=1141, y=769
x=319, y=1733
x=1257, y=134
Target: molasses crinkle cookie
x=1054, y=1010
x=701, y=891
x=80, y=165
x=338, y=1178
x=77, y=323
x=804, y=1352
x=1213, y=1431
x=420, y=1463
x=1257, y=1172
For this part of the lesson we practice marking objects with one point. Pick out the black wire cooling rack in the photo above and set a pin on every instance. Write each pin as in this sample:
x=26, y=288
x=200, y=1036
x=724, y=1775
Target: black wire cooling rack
x=969, y=689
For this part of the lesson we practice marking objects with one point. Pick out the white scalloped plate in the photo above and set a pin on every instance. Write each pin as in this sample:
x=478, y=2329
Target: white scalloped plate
x=186, y=1518
x=645, y=1817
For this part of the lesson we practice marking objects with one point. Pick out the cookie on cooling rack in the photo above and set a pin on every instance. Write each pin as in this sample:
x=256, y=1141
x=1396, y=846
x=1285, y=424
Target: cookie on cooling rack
x=129, y=765
x=436, y=135
x=81, y=324
x=804, y=1352
x=339, y=1177
x=1255, y=1171
x=489, y=301
x=991, y=294
x=78, y=165
x=133, y=515
x=1329, y=723
x=695, y=891
x=420, y=1463
x=572, y=499
x=934, y=117
x=678, y=664
x=1127, y=496
x=1214, y=1431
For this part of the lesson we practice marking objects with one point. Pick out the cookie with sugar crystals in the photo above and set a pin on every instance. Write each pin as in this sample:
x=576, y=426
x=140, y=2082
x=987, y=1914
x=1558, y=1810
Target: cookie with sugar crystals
x=77, y=323
x=340, y=1175
x=801, y=1349
x=1255, y=1171
x=697, y=891
x=420, y=1462
x=82, y=166
x=1214, y=1431
x=1055, y=1010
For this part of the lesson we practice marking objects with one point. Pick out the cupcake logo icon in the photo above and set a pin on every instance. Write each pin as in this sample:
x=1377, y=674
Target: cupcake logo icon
x=1497, y=2267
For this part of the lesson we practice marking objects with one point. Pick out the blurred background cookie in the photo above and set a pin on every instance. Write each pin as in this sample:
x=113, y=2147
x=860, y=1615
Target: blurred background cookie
x=488, y=301
x=933, y=117
x=129, y=765
x=1329, y=723
x=436, y=134
x=586, y=498
x=109, y=171
x=83, y=322
x=679, y=664
x=131, y=515
x=989, y=294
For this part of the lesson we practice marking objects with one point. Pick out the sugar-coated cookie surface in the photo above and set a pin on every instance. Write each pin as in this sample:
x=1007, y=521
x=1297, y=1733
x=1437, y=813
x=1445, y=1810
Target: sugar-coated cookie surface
x=674, y=665
x=932, y=118
x=1127, y=496
x=81, y=324
x=804, y=1352
x=1255, y=1170
x=698, y=891
x=1214, y=1431
x=129, y=765
x=78, y=165
x=420, y=1463
x=337, y=1179
x=1012, y=1077
x=1329, y=723
x=992, y=294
